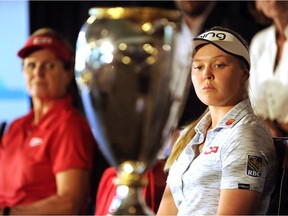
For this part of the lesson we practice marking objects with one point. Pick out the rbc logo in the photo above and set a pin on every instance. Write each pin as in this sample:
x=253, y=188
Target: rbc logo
x=254, y=166
x=254, y=173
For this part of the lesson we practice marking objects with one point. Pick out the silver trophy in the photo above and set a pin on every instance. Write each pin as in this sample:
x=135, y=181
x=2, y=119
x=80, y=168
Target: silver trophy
x=132, y=96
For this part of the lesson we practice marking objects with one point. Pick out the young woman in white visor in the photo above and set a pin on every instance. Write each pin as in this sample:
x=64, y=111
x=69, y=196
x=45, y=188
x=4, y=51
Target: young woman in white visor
x=225, y=162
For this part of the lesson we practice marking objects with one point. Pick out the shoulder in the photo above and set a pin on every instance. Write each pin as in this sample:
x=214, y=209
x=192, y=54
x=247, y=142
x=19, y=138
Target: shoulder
x=248, y=128
x=18, y=122
x=251, y=133
x=252, y=124
x=73, y=120
x=71, y=114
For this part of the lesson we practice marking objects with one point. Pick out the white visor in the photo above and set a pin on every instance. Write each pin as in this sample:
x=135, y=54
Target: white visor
x=225, y=41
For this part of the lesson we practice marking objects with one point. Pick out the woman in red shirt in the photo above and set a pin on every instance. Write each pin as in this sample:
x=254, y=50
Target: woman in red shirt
x=46, y=155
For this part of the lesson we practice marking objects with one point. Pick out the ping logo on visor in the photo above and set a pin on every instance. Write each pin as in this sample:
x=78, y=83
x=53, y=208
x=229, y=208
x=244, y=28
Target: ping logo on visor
x=254, y=166
x=225, y=41
x=213, y=36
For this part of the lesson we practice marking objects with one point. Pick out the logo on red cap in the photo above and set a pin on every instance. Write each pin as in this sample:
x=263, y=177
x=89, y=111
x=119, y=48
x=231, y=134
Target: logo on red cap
x=42, y=40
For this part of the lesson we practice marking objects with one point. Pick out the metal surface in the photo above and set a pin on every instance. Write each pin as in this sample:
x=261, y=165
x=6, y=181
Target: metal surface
x=131, y=95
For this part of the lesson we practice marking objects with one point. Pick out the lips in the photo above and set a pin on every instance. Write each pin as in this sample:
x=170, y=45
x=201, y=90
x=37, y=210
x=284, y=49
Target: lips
x=208, y=87
x=39, y=81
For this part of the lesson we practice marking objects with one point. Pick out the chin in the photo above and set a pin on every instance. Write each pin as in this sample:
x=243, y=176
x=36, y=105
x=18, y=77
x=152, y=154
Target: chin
x=208, y=101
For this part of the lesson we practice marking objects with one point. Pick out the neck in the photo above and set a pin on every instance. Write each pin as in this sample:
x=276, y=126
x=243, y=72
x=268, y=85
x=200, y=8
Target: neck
x=40, y=108
x=281, y=25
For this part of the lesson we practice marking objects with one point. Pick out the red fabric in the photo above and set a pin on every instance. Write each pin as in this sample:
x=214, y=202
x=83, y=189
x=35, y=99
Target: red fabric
x=152, y=192
x=45, y=41
x=30, y=156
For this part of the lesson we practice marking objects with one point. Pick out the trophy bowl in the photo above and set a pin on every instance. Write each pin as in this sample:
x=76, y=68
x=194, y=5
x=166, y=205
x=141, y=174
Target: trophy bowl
x=131, y=94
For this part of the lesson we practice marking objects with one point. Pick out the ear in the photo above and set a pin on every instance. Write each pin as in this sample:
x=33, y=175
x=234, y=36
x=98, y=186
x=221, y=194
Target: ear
x=245, y=75
x=70, y=74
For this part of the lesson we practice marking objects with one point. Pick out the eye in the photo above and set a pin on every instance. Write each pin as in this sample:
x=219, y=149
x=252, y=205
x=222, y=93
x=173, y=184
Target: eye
x=220, y=66
x=196, y=67
x=49, y=65
x=29, y=66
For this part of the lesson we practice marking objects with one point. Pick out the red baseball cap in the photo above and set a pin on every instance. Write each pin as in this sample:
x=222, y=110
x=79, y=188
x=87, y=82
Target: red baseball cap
x=45, y=41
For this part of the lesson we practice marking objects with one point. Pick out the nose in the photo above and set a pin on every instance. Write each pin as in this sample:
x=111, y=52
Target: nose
x=207, y=74
x=39, y=69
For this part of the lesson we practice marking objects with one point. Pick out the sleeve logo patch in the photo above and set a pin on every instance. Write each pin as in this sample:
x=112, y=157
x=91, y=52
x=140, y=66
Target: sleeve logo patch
x=254, y=166
x=243, y=186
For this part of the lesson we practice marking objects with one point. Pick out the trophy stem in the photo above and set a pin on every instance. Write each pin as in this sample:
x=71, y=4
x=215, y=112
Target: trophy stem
x=129, y=199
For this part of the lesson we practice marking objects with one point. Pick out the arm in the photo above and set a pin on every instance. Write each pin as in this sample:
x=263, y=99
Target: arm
x=71, y=190
x=275, y=132
x=283, y=127
x=167, y=205
x=250, y=149
x=238, y=202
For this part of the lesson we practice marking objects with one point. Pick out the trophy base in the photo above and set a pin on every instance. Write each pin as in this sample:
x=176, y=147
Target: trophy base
x=129, y=200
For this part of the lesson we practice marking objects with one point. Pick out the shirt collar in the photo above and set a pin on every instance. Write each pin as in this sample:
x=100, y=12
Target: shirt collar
x=53, y=114
x=229, y=120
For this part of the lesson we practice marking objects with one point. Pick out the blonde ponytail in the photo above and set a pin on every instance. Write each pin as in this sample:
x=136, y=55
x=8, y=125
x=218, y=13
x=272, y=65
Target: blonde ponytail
x=182, y=142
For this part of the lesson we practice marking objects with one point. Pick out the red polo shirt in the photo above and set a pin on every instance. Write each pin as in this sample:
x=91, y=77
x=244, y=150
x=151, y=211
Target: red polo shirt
x=31, y=155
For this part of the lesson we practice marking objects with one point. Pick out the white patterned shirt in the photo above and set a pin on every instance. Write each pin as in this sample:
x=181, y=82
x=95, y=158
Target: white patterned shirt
x=238, y=154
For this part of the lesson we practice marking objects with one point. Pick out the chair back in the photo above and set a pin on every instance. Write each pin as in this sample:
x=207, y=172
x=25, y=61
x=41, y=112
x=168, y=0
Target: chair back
x=2, y=128
x=279, y=198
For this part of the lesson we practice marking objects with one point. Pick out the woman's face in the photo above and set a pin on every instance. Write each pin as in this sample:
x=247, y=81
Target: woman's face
x=218, y=78
x=45, y=75
x=192, y=8
x=272, y=8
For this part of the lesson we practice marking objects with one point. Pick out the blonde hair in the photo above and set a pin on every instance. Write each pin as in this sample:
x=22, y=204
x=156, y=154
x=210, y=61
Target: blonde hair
x=183, y=141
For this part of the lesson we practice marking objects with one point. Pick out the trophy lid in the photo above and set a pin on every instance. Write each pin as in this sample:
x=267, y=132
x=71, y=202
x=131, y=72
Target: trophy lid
x=137, y=13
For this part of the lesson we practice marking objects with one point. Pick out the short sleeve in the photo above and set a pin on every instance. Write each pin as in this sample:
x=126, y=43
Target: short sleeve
x=73, y=145
x=247, y=158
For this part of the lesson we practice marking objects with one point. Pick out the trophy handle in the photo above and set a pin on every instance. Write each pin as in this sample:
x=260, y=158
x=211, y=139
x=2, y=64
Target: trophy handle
x=129, y=199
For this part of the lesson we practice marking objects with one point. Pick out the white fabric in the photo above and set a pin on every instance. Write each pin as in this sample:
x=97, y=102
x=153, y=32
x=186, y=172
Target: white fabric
x=223, y=163
x=269, y=87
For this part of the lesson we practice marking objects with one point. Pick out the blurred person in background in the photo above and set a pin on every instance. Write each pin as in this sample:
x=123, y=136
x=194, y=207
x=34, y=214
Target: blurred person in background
x=269, y=68
x=46, y=156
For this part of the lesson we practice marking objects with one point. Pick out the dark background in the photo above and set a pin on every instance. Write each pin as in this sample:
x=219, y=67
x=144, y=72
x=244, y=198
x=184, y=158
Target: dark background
x=68, y=17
